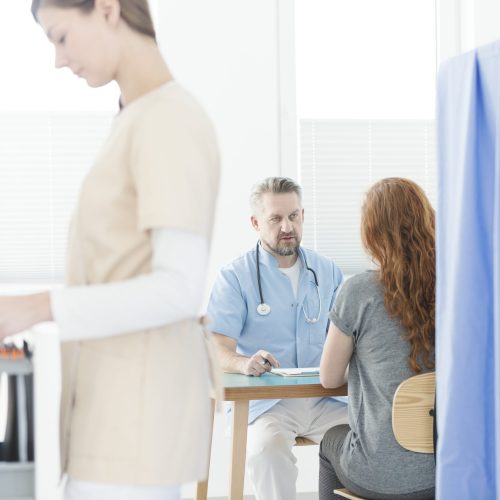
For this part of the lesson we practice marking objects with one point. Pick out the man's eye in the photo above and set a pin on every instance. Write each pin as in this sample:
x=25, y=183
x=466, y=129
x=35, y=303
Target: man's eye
x=61, y=40
x=293, y=216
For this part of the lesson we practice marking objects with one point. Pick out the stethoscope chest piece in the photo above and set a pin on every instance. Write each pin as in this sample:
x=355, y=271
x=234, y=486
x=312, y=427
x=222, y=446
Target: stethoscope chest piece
x=263, y=309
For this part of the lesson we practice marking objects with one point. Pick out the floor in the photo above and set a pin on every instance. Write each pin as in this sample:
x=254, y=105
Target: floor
x=300, y=496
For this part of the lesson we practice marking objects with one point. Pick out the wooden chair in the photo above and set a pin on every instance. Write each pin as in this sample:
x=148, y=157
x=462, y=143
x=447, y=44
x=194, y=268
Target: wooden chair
x=302, y=441
x=412, y=417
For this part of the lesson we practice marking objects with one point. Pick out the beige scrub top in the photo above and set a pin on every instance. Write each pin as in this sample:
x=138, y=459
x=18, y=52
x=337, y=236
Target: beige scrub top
x=135, y=407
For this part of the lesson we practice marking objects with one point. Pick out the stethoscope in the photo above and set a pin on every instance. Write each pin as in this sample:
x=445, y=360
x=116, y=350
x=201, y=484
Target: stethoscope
x=264, y=309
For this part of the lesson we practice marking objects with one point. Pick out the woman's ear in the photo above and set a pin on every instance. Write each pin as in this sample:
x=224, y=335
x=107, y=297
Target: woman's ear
x=110, y=9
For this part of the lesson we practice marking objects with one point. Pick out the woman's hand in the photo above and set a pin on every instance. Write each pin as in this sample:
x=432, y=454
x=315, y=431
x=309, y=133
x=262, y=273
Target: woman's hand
x=20, y=312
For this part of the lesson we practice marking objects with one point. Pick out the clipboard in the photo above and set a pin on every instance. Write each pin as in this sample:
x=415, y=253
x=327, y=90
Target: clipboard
x=296, y=372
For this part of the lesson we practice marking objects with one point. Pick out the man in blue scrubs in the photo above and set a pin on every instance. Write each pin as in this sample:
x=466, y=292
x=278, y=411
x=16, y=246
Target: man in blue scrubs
x=269, y=308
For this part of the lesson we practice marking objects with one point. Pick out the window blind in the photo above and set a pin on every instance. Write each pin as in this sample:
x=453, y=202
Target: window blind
x=43, y=159
x=340, y=160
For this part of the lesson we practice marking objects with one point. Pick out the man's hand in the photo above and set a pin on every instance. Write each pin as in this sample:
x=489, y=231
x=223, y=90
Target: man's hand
x=261, y=362
x=19, y=313
x=232, y=362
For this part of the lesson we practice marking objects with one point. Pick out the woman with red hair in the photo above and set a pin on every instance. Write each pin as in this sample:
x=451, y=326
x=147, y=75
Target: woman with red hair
x=381, y=333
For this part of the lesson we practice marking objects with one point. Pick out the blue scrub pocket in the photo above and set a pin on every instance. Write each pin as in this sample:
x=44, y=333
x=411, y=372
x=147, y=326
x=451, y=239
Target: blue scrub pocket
x=317, y=333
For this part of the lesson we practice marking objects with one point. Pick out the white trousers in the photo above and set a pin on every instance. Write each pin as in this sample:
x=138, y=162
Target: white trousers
x=271, y=437
x=86, y=490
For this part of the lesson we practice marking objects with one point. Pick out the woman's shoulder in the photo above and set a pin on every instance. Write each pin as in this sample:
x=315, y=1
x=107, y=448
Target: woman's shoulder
x=168, y=102
x=366, y=281
x=161, y=101
x=172, y=112
x=360, y=290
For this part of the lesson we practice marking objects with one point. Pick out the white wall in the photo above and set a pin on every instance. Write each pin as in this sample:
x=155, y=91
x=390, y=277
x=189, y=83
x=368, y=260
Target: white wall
x=225, y=52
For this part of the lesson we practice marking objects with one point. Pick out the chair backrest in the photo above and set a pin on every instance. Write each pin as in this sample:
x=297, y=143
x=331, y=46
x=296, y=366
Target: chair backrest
x=413, y=413
x=412, y=417
x=303, y=441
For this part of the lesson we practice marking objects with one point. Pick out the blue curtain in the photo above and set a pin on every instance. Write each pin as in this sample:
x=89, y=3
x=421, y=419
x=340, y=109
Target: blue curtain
x=468, y=276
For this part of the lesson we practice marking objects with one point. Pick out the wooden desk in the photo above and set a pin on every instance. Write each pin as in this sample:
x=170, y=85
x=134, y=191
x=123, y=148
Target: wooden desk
x=241, y=389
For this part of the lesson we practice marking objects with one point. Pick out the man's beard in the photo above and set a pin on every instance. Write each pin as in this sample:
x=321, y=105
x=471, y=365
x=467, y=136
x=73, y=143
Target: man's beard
x=285, y=250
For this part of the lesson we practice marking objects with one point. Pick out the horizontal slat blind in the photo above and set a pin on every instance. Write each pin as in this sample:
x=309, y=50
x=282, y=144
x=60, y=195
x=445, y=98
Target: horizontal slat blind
x=43, y=159
x=340, y=160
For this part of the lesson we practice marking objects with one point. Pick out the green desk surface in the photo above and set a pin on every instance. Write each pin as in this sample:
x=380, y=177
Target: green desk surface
x=269, y=386
x=267, y=379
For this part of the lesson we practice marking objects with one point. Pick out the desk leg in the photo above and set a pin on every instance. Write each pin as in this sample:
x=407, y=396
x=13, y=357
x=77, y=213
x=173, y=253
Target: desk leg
x=202, y=486
x=239, y=448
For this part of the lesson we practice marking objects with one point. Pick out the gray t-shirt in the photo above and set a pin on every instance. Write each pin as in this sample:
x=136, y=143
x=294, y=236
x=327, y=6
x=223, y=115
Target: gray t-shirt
x=371, y=457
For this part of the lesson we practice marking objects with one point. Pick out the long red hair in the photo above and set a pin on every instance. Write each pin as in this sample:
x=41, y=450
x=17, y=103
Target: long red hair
x=398, y=231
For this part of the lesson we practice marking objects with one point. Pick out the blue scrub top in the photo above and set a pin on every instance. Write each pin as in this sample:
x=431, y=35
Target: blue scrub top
x=284, y=332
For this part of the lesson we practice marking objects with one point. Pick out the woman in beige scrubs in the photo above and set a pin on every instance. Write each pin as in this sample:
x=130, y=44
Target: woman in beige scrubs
x=136, y=373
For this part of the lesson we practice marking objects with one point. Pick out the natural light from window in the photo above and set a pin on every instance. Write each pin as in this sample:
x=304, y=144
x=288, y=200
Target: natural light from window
x=366, y=58
x=51, y=127
x=30, y=81
x=365, y=81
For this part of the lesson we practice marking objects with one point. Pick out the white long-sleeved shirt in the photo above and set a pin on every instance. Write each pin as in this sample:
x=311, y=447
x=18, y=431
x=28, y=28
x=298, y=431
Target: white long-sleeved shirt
x=172, y=291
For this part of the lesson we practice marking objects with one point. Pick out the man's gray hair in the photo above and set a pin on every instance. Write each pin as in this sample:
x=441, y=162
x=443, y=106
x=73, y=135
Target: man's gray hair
x=274, y=185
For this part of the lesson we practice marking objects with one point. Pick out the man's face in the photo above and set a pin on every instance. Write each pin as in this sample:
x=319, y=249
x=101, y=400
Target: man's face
x=279, y=221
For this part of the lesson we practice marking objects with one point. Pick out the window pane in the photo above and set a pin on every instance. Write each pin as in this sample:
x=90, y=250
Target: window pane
x=29, y=80
x=51, y=125
x=366, y=58
x=365, y=98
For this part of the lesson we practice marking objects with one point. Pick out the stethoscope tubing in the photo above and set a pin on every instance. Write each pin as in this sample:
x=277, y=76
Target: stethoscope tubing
x=264, y=309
